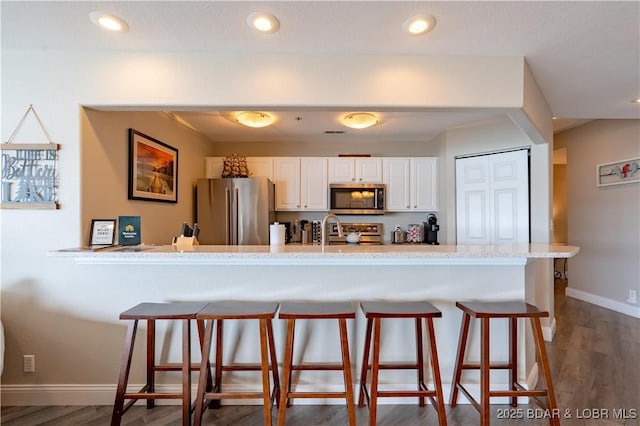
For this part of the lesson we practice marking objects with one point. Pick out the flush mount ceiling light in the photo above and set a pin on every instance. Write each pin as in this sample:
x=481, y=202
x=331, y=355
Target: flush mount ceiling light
x=263, y=22
x=419, y=25
x=255, y=119
x=359, y=120
x=109, y=22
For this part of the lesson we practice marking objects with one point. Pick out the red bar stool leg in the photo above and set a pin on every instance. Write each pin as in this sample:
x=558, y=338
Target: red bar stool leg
x=286, y=375
x=513, y=358
x=151, y=360
x=485, y=412
x=420, y=359
x=274, y=364
x=435, y=365
x=365, y=365
x=544, y=362
x=346, y=367
x=206, y=348
x=266, y=387
x=462, y=347
x=375, y=372
x=125, y=368
x=186, y=372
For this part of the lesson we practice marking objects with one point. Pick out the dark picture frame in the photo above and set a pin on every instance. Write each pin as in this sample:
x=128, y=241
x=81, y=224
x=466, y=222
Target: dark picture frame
x=103, y=232
x=153, y=169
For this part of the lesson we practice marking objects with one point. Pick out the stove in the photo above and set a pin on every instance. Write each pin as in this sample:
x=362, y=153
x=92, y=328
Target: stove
x=370, y=233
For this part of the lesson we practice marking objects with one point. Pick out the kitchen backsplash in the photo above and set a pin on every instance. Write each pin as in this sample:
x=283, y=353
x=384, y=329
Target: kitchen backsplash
x=389, y=220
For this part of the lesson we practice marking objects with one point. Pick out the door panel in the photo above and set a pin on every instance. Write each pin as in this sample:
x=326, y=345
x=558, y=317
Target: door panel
x=496, y=186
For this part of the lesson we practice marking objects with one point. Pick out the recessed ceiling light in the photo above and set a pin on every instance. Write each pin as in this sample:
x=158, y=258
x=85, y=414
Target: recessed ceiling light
x=554, y=118
x=636, y=101
x=359, y=120
x=109, y=22
x=263, y=22
x=419, y=25
x=255, y=119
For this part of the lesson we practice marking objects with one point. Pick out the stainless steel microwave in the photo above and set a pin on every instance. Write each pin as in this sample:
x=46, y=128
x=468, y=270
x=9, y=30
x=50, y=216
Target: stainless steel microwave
x=356, y=198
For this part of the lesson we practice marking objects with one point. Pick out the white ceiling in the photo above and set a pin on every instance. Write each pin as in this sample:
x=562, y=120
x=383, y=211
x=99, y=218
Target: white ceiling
x=585, y=56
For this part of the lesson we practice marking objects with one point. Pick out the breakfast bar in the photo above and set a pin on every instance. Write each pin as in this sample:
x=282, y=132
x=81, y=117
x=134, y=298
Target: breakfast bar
x=440, y=274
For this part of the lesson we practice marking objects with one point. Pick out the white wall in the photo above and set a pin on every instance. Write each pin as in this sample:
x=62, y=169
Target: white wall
x=603, y=221
x=67, y=314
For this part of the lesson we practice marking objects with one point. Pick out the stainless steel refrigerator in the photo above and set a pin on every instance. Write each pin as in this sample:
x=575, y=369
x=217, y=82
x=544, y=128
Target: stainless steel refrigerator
x=235, y=211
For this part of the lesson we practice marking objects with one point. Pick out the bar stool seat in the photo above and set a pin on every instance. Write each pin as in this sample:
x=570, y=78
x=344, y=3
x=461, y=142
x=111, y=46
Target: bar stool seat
x=219, y=312
x=292, y=311
x=512, y=310
x=374, y=312
x=151, y=312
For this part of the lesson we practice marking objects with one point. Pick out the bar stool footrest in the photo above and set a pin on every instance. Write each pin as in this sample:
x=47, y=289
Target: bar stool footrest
x=317, y=394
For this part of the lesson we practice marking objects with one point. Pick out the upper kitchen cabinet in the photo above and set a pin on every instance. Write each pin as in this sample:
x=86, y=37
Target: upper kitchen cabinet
x=359, y=170
x=301, y=183
x=412, y=184
x=258, y=166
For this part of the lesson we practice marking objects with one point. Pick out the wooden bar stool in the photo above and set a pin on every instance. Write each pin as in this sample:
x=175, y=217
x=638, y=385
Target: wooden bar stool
x=375, y=312
x=218, y=312
x=292, y=311
x=511, y=310
x=151, y=312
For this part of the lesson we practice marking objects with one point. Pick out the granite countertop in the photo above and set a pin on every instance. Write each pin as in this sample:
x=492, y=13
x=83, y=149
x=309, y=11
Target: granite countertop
x=349, y=254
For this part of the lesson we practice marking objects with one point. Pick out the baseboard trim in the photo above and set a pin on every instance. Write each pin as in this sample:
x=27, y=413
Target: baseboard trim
x=633, y=311
x=548, y=331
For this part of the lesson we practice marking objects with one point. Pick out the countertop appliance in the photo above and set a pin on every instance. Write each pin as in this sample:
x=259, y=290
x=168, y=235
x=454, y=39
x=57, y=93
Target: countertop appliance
x=370, y=233
x=431, y=229
x=356, y=198
x=235, y=211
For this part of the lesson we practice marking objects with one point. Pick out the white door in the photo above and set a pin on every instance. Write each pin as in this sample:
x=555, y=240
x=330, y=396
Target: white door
x=492, y=198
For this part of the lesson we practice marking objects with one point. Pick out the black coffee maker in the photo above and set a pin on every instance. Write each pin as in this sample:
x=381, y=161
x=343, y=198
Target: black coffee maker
x=431, y=229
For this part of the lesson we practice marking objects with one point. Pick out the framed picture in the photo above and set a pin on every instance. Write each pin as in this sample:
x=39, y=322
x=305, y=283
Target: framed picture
x=153, y=169
x=624, y=171
x=103, y=232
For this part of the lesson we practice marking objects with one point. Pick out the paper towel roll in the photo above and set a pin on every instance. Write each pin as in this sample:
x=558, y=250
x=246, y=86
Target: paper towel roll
x=276, y=234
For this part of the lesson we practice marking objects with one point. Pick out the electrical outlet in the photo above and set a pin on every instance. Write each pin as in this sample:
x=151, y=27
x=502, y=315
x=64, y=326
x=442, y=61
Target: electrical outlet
x=633, y=297
x=29, y=363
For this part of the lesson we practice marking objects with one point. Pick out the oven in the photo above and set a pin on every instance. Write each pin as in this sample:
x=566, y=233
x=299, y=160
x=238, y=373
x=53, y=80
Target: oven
x=370, y=233
x=362, y=198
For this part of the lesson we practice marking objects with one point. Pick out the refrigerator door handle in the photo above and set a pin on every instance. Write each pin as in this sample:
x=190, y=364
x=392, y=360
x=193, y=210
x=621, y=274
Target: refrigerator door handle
x=227, y=213
x=236, y=212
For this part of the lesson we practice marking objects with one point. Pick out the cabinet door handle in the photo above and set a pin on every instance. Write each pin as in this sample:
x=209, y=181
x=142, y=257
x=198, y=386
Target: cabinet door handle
x=415, y=207
x=305, y=206
x=408, y=207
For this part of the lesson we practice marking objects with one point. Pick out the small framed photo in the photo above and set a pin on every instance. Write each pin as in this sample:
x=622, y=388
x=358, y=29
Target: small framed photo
x=103, y=232
x=624, y=171
x=153, y=169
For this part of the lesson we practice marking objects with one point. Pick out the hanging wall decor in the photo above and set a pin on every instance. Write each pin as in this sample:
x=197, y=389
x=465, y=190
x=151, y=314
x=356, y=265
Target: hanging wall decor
x=29, y=171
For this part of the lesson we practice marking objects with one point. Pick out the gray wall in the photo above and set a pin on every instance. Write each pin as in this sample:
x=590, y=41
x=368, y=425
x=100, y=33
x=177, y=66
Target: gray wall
x=603, y=221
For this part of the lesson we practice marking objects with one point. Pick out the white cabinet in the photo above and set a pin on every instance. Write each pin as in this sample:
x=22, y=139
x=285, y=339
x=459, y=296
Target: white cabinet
x=301, y=183
x=360, y=170
x=258, y=166
x=411, y=184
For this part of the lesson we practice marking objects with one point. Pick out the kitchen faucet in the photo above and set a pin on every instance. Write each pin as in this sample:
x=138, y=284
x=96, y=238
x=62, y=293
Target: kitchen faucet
x=323, y=227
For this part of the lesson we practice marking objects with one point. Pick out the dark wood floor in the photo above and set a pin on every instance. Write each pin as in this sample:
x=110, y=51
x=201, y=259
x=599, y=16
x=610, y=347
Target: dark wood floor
x=595, y=361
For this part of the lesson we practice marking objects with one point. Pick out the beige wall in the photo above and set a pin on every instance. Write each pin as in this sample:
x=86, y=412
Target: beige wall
x=104, y=169
x=560, y=203
x=603, y=221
